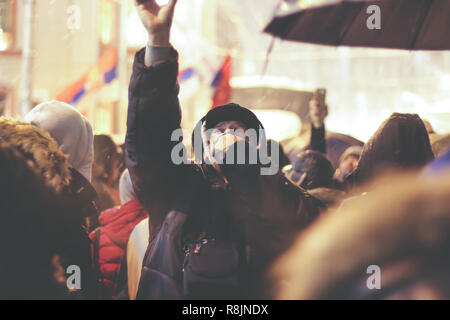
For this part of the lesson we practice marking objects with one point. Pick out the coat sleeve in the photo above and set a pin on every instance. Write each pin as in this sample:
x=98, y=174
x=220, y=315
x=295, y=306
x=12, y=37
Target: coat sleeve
x=318, y=141
x=153, y=114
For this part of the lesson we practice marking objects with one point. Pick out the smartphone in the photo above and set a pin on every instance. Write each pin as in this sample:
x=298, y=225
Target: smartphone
x=320, y=95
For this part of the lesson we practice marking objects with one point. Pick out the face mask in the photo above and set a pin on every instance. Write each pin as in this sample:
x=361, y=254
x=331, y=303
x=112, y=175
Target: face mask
x=223, y=141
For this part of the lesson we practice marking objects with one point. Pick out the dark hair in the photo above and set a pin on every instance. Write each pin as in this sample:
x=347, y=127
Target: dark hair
x=105, y=152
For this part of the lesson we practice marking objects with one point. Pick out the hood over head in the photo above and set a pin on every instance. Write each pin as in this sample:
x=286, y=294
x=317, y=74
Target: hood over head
x=228, y=112
x=126, y=189
x=231, y=112
x=38, y=146
x=70, y=129
x=311, y=170
x=400, y=142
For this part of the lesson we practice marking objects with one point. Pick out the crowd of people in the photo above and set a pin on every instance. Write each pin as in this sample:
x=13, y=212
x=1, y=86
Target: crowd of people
x=84, y=218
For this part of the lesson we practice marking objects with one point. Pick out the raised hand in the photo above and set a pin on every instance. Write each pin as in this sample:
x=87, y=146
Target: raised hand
x=157, y=20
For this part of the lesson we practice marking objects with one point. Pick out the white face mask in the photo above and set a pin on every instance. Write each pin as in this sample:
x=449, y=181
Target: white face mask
x=225, y=140
x=225, y=134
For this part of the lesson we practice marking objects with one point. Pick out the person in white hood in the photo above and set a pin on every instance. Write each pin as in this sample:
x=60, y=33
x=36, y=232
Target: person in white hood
x=70, y=129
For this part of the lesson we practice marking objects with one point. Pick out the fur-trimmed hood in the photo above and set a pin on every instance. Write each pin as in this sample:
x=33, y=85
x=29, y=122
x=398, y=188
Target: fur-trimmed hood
x=38, y=146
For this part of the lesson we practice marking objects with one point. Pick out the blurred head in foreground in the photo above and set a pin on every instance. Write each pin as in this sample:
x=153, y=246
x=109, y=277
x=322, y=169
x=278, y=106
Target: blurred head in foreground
x=33, y=231
x=401, y=229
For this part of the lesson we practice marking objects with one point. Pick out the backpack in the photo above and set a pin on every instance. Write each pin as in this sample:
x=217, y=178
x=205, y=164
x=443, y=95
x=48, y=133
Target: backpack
x=214, y=264
x=190, y=257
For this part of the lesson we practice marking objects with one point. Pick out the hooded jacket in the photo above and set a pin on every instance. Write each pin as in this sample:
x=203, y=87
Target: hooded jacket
x=32, y=232
x=38, y=146
x=44, y=153
x=70, y=129
x=116, y=225
x=269, y=209
x=401, y=142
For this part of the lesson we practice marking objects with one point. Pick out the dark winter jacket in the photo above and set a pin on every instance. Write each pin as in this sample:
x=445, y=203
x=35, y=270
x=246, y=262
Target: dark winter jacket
x=317, y=141
x=34, y=232
x=269, y=209
x=44, y=153
x=116, y=225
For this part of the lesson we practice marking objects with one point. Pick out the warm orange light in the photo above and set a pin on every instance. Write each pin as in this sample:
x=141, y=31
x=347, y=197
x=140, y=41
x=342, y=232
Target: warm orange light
x=4, y=40
x=106, y=21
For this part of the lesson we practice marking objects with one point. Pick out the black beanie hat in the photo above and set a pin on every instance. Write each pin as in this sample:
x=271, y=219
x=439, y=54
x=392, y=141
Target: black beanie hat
x=231, y=112
x=227, y=112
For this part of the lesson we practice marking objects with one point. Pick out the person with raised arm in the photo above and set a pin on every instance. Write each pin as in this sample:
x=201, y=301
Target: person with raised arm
x=214, y=228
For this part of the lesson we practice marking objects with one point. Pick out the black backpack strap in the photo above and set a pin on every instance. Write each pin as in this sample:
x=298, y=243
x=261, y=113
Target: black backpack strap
x=96, y=262
x=96, y=251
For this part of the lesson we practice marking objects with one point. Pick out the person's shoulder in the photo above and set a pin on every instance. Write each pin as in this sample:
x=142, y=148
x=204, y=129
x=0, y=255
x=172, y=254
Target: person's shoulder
x=107, y=215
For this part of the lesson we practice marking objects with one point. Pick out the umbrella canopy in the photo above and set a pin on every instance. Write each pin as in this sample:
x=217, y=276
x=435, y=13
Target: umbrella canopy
x=336, y=144
x=404, y=24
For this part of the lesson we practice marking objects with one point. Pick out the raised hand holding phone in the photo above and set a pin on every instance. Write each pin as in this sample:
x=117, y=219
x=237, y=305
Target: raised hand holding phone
x=318, y=109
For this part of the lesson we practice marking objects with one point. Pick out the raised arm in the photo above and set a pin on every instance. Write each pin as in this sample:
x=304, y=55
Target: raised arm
x=318, y=115
x=154, y=113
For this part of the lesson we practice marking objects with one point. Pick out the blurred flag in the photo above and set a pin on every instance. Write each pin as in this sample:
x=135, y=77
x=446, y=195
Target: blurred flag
x=221, y=84
x=103, y=73
x=186, y=74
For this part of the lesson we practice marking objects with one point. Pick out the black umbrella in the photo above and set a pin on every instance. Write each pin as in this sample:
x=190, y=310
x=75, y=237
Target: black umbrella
x=404, y=24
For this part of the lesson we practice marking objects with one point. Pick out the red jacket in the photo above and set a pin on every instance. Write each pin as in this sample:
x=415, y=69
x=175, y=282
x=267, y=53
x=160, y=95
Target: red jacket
x=116, y=224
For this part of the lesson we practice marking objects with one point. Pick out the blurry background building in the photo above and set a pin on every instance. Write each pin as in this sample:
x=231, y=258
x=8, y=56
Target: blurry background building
x=82, y=51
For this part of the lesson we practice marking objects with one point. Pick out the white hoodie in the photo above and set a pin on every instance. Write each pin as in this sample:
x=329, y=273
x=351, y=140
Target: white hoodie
x=126, y=189
x=70, y=129
x=138, y=240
